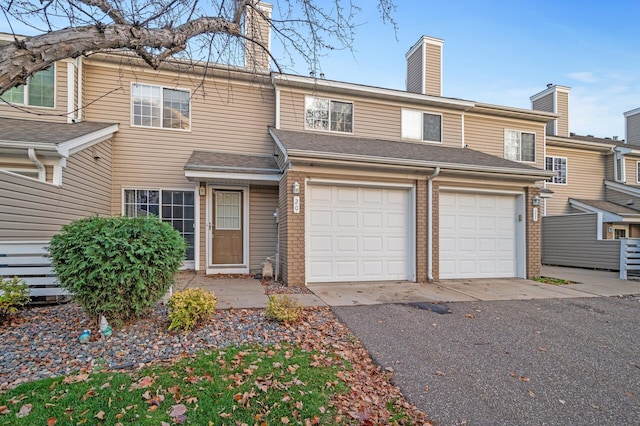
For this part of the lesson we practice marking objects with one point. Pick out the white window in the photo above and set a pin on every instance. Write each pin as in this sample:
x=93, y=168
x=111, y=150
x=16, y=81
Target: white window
x=557, y=165
x=174, y=207
x=228, y=207
x=328, y=115
x=618, y=169
x=155, y=106
x=39, y=90
x=519, y=146
x=421, y=126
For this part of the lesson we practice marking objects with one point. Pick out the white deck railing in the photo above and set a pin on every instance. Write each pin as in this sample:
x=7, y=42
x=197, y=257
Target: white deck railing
x=629, y=258
x=28, y=260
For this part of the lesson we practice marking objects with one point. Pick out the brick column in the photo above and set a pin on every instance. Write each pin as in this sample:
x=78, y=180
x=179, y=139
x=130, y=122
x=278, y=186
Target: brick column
x=435, y=237
x=292, y=231
x=534, y=234
x=421, y=231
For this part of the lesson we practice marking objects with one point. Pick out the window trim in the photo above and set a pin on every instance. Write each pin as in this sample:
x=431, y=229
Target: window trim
x=422, y=113
x=566, y=170
x=25, y=95
x=637, y=171
x=520, y=132
x=353, y=114
x=196, y=206
x=139, y=126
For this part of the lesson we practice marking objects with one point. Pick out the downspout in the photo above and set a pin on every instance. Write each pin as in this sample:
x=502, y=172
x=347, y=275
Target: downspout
x=42, y=172
x=435, y=174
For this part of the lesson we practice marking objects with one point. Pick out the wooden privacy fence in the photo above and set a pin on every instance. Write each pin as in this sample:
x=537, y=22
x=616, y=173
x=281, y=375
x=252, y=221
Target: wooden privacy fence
x=28, y=260
x=629, y=258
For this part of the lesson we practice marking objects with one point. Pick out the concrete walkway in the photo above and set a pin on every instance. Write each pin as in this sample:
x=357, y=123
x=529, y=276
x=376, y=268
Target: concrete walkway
x=247, y=292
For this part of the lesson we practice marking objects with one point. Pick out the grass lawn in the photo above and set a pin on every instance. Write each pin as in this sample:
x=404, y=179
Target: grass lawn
x=554, y=281
x=252, y=385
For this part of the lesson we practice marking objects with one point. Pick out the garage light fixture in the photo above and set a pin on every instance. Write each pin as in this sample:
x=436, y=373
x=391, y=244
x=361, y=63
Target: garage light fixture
x=296, y=187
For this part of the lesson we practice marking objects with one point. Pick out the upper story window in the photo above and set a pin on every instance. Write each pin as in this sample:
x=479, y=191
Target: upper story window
x=519, y=146
x=39, y=90
x=155, y=106
x=328, y=115
x=637, y=171
x=422, y=126
x=557, y=165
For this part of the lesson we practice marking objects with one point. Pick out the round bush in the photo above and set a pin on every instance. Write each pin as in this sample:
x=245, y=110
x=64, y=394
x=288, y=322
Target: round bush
x=117, y=266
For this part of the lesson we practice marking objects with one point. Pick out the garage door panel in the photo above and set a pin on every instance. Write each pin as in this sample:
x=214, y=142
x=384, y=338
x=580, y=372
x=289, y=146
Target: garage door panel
x=367, y=230
x=372, y=220
x=482, y=244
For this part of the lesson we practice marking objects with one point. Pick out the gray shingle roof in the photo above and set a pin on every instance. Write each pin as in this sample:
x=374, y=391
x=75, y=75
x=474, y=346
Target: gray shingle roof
x=44, y=132
x=228, y=162
x=323, y=143
x=608, y=206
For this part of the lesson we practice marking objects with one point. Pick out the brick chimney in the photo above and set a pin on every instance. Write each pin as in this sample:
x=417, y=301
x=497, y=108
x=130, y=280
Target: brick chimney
x=554, y=99
x=424, y=67
x=258, y=29
x=632, y=126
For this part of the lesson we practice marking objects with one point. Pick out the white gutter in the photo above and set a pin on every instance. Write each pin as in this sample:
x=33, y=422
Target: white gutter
x=435, y=174
x=350, y=158
x=42, y=172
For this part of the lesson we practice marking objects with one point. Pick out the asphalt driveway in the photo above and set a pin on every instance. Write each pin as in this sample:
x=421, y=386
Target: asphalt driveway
x=535, y=362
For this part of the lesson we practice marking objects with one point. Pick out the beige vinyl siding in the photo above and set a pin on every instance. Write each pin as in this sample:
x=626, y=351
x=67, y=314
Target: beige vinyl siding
x=263, y=202
x=622, y=198
x=572, y=241
x=631, y=170
x=34, y=210
x=609, y=167
x=486, y=134
x=545, y=103
x=55, y=114
x=633, y=129
x=415, y=72
x=232, y=117
x=371, y=118
x=562, y=123
x=433, y=75
x=585, y=174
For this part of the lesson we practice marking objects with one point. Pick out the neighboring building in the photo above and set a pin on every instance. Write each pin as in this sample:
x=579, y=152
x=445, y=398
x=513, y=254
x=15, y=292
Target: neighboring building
x=335, y=181
x=591, y=175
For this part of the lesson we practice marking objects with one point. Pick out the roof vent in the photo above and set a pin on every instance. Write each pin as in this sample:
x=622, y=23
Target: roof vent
x=549, y=85
x=572, y=134
x=615, y=138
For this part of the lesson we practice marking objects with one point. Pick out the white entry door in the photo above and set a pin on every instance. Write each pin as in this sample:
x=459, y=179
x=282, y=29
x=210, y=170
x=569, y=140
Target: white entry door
x=478, y=235
x=359, y=233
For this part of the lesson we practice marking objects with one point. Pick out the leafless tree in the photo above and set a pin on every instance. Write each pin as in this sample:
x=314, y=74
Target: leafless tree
x=156, y=30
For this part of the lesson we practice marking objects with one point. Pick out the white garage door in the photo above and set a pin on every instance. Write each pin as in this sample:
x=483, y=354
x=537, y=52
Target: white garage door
x=477, y=235
x=358, y=234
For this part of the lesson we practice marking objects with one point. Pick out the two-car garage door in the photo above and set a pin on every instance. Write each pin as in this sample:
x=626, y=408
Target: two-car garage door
x=478, y=235
x=359, y=233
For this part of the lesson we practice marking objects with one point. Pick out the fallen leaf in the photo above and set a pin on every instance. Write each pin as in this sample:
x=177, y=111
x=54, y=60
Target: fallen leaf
x=532, y=394
x=24, y=411
x=469, y=316
x=105, y=385
x=75, y=379
x=178, y=410
x=51, y=421
x=439, y=373
x=285, y=420
x=542, y=349
x=524, y=379
x=4, y=409
x=83, y=421
x=100, y=415
x=562, y=401
x=225, y=415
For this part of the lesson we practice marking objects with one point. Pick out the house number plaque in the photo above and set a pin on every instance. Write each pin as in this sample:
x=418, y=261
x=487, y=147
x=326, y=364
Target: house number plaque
x=296, y=204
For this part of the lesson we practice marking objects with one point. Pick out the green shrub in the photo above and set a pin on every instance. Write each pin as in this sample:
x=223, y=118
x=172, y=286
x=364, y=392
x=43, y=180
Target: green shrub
x=283, y=308
x=190, y=307
x=117, y=266
x=14, y=294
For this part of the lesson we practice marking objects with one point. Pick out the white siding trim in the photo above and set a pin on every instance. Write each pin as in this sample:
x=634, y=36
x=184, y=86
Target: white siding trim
x=70, y=94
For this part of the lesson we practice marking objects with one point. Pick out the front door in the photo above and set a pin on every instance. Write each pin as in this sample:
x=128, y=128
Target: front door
x=226, y=229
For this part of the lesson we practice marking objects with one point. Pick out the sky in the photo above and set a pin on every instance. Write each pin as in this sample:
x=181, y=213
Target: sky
x=503, y=52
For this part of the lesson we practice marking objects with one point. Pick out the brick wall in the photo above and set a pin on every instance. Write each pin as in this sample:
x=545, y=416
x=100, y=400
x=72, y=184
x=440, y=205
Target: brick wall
x=421, y=231
x=436, y=230
x=292, y=250
x=534, y=246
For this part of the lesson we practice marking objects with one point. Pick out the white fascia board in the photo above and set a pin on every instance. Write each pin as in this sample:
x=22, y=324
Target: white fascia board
x=538, y=174
x=333, y=85
x=620, y=187
x=26, y=145
x=72, y=146
x=283, y=150
x=577, y=143
x=632, y=112
x=196, y=174
x=545, y=92
x=606, y=216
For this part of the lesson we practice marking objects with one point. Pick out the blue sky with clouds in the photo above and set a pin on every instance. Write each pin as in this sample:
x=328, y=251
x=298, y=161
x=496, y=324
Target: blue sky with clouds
x=503, y=52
